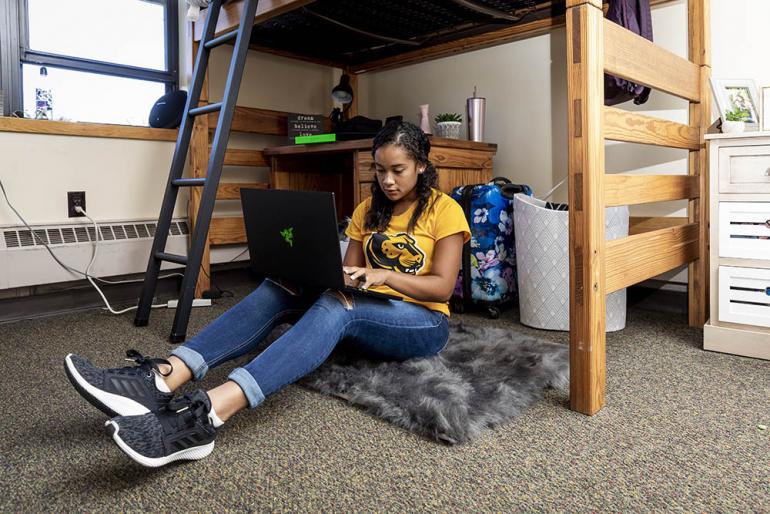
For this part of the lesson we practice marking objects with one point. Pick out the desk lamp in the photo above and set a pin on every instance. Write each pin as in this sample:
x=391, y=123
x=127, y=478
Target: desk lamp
x=343, y=94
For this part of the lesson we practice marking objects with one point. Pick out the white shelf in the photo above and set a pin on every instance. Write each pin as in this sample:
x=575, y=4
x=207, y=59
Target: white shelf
x=742, y=135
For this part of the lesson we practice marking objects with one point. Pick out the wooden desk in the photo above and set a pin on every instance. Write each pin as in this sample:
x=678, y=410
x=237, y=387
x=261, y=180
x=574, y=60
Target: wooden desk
x=346, y=167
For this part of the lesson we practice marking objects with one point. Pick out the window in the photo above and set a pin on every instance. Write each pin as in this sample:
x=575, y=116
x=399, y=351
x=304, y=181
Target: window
x=101, y=61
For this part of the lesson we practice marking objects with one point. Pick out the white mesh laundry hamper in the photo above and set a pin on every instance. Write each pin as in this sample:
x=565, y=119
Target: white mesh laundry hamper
x=542, y=262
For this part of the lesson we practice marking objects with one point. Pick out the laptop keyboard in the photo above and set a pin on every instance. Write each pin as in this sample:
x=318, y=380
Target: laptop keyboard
x=369, y=292
x=359, y=289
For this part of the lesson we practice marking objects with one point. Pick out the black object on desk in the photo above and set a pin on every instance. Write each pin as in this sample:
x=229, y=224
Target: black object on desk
x=357, y=127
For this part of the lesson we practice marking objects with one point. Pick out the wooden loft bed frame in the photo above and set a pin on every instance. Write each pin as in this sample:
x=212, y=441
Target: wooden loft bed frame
x=594, y=46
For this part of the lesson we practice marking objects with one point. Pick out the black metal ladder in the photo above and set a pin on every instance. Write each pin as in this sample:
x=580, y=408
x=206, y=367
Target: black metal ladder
x=226, y=108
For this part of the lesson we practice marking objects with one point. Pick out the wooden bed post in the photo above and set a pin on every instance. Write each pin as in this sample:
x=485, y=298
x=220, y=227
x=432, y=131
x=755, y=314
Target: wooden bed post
x=585, y=92
x=700, y=117
x=199, y=161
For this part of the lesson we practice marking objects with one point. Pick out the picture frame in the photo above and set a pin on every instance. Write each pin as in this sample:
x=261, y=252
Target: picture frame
x=765, y=94
x=730, y=93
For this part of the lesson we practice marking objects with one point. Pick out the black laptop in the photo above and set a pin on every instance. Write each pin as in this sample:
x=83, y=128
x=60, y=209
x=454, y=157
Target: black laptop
x=293, y=235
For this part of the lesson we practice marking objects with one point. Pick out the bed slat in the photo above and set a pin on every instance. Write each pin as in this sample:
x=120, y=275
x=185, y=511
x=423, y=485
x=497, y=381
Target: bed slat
x=634, y=58
x=623, y=189
x=631, y=127
x=240, y=157
x=231, y=13
x=641, y=224
x=633, y=259
x=232, y=190
x=227, y=230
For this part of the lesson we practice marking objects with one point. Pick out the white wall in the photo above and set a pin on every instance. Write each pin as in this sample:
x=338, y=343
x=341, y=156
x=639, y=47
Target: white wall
x=123, y=178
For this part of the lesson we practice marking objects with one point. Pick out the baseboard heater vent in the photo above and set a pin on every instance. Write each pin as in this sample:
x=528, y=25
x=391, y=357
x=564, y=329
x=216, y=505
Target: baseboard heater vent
x=81, y=234
x=124, y=248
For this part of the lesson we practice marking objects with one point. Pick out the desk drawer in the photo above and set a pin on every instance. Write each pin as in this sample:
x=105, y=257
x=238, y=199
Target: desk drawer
x=744, y=295
x=364, y=190
x=744, y=169
x=744, y=230
x=365, y=167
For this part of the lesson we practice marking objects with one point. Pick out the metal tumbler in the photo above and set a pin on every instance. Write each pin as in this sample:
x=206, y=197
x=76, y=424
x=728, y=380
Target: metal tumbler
x=476, y=118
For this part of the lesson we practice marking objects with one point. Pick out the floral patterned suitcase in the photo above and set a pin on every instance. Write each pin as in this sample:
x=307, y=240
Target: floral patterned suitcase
x=488, y=275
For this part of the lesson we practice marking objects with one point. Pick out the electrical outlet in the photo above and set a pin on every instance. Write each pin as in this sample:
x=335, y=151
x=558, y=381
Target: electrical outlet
x=75, y=199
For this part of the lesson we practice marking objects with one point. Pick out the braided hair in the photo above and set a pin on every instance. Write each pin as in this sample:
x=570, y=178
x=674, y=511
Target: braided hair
x=415, y=143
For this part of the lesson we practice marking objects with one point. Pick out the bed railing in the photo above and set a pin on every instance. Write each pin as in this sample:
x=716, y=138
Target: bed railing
x=634, y=58
x=633, y=259
x=598, y=267
x=632, y=127
x=626, y=189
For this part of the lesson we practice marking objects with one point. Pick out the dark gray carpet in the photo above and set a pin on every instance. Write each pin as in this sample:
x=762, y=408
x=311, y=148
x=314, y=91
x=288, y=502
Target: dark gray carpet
x=679, y=433
x=483, y=377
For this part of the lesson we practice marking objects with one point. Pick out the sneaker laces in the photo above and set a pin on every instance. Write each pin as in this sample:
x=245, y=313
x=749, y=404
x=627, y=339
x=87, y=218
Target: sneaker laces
x=148, y=363
x=190, y=407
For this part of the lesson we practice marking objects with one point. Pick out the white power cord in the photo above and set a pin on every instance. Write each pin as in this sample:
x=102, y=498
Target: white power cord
x=93, y=258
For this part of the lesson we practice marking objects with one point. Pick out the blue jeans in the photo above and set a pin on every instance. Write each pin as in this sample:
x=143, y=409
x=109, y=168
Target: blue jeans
x=386, y=329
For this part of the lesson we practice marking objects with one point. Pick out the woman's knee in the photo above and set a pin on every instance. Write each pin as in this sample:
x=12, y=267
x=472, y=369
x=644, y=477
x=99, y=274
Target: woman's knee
x=335, y=301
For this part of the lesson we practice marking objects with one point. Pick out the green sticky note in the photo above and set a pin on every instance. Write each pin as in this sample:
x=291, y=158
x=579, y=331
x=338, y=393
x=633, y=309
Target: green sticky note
x=316, y=138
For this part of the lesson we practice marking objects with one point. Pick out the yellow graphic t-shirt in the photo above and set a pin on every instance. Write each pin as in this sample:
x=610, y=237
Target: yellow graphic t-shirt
x=397, y=250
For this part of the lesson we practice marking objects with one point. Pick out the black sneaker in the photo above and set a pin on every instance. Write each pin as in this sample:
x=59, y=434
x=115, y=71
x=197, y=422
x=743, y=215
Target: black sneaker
x=181, y=431
x=128, y=391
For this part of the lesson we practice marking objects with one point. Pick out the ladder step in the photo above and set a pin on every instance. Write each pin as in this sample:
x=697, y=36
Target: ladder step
x=189, y=182
x=221, y=40
x=205, y=109
x=170, y=257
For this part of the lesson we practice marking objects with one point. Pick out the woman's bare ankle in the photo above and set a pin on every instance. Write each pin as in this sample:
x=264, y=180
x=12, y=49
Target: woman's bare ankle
x=177, y=374
x=227, y=399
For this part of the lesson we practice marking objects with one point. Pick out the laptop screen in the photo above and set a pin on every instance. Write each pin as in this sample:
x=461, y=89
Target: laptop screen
x=293, y=235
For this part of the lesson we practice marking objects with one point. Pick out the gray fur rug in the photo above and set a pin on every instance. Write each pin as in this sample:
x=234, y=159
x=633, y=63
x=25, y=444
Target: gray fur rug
x=484, y=377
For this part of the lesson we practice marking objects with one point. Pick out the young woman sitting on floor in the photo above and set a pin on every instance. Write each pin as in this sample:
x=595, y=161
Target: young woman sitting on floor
x=405, y=240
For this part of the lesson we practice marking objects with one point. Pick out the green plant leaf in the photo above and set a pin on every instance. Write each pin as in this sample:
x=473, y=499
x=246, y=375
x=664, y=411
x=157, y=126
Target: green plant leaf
x=448, y=116
x=737, y=114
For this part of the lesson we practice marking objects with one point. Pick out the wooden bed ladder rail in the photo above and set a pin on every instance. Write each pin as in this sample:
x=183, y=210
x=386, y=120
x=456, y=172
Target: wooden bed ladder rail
x=210, y=183
x=598, y=267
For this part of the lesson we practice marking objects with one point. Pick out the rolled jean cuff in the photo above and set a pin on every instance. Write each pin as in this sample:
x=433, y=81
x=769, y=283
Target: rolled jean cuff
x=249, y=386
x=193, y=360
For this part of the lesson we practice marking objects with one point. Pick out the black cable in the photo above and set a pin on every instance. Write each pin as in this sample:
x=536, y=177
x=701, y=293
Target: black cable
x=225, y=293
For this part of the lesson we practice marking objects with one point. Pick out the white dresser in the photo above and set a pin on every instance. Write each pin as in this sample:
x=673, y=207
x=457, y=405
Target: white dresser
x=740, y=244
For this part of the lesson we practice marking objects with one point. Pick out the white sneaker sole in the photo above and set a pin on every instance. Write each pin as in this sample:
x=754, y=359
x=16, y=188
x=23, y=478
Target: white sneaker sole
x=121, y=405
x=195, y=453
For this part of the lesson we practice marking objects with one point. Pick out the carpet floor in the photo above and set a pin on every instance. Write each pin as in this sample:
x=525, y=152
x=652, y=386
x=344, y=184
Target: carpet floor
x=678, y=433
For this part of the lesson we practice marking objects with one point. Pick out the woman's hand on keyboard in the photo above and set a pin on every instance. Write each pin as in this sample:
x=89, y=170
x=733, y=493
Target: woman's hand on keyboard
x=350, y=282
x=366, y=277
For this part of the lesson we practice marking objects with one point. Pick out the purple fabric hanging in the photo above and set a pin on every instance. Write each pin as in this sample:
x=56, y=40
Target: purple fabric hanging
x=634, y=15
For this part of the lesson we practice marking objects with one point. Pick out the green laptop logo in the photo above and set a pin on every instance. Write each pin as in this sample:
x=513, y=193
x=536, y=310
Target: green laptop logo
x=288, y=235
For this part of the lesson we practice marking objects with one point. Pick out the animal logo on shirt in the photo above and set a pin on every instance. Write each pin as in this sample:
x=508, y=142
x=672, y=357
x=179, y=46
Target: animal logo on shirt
x=397, y=252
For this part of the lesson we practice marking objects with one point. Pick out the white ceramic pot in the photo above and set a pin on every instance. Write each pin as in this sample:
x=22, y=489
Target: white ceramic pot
x=733, y=127
x=448, y=129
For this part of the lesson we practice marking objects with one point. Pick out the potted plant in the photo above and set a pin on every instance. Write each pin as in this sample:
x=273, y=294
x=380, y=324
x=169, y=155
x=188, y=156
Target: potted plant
x=734, y=122
x=448, y=125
